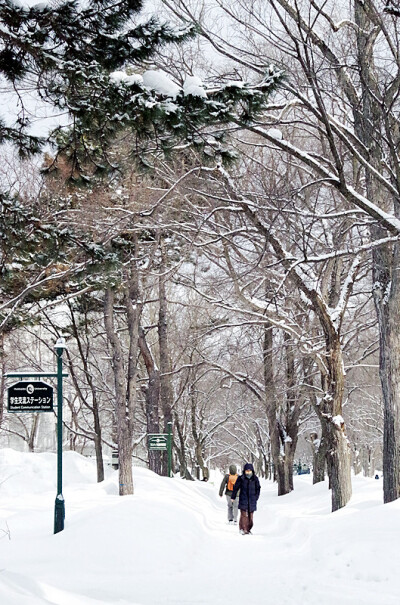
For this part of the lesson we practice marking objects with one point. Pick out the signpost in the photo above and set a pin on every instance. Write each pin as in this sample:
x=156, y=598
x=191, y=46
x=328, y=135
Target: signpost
x=37, y=396
x=59, y=510
x=162, y=442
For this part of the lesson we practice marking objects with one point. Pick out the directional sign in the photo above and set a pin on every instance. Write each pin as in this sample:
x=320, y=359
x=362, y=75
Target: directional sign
x=158, y=441
x=34, y=396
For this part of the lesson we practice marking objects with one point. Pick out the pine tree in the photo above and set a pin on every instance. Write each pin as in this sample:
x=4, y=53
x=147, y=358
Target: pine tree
x=41, y=260
x=65, y=47
x=88, y=60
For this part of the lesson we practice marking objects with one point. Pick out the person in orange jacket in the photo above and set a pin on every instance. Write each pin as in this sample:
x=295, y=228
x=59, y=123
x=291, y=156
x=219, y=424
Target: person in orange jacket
x=227, y=485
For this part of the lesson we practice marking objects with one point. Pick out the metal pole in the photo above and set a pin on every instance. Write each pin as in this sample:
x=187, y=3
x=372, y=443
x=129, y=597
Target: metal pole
x=169, y=449
x=59, y=511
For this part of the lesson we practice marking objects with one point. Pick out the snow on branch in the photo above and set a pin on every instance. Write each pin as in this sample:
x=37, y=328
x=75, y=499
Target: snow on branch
x=338, y=312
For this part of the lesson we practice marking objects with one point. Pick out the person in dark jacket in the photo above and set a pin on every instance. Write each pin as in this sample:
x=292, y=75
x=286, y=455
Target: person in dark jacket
x=250, y=488
x=227, y=484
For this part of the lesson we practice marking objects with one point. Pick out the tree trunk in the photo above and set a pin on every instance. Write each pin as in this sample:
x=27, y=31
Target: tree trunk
x=263, y=453
x=387, y=304
x=357, y=462
x=98, y=448
x=181, y=451
x=123, y=421
x=285, y=482
x=368, y=461
x=125, y=459
x=386, y=259
x=290, y=450
x=271, y=411
x=329, y=411
x=283, y=438
x=200, y=463
x=166, y=393
x=98, y=444
x=198, y=445
x=152, y=394
x=319, y=451
x=33, y=432
x=292, y=414
x=2, y=375
x=339, y=465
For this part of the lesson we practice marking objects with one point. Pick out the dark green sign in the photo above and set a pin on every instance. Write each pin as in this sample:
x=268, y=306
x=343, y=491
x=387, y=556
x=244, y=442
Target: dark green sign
x=158, y=441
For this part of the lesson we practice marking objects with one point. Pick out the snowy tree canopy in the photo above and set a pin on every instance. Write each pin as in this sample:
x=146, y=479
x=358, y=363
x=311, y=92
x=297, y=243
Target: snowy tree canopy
x=87, y=61
x=60, y=47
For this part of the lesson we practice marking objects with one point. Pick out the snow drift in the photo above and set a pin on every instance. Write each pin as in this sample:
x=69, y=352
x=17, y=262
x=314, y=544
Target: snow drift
x=170, y=543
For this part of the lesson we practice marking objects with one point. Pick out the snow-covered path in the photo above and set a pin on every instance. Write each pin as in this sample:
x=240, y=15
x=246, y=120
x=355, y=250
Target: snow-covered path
x=169, y=544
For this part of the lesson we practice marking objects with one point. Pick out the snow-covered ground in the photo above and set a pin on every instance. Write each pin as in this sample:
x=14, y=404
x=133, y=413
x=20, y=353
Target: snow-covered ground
x=170, y=543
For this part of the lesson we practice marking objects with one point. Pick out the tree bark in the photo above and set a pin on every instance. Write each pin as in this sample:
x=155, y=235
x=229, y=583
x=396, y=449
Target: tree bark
x=271, y=411
x=292, y=414
x=198, y=445
x=389, y=370
x=33, y=432
x=386, y=259
x=329, y=411
x=181, y=451
x=2, y=375
x=283, y=423
x=166, y=393
x=152, y=395
x=319, y=458
x=123, y=420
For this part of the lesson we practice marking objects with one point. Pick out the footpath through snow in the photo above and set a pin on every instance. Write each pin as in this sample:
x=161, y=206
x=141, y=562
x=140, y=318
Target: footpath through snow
x=170, y=543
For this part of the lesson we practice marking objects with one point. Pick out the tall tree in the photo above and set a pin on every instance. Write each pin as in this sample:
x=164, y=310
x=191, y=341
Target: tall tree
x=337, y=86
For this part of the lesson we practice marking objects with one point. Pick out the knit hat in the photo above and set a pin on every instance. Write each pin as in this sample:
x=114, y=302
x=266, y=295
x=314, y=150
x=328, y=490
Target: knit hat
x=233, y=469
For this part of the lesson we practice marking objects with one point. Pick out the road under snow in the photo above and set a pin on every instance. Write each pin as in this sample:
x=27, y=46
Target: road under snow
x=170, y=542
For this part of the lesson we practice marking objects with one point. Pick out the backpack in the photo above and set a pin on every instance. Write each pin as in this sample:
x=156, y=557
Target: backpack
x=231, y=482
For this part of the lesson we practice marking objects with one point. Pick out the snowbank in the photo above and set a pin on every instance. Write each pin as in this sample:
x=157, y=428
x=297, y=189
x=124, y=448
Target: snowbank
x=170, y=543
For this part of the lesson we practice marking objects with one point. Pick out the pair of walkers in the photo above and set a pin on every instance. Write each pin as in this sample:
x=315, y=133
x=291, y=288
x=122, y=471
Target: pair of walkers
x=247, y=488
